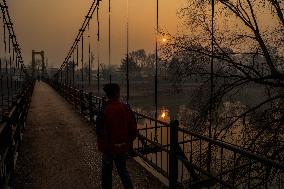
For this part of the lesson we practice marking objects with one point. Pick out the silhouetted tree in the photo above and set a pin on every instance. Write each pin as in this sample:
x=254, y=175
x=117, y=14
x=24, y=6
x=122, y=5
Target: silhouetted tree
x=107, y=71
x=248, y=96
x=139, y=57
x=133, y=67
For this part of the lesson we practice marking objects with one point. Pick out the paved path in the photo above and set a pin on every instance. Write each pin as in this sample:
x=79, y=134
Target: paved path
x=59, y=149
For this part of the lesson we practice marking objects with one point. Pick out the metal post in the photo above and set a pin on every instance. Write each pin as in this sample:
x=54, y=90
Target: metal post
x=82, y=59
x=211, y=108
x=73, y=71
x=89, y=51
x=109, y=34
x=42, y=64
x=33, y=64
x=156, y=70
x=173, y=168
x=91, y=111
x=98, y=47
x=81, y=101
x=127, y=55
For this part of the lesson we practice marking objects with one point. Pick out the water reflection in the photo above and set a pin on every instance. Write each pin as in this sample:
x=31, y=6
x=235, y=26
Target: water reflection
x=163, y=115
x=187, y=117
x=193, y=148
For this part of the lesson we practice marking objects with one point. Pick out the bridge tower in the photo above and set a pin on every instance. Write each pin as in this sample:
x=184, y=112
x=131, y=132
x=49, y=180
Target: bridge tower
x=43, y=66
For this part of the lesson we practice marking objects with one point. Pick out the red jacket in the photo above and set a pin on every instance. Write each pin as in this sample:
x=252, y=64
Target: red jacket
x=118, y=128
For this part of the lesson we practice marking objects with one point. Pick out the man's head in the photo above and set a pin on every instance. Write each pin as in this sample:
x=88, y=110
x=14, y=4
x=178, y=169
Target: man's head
x=112, y=90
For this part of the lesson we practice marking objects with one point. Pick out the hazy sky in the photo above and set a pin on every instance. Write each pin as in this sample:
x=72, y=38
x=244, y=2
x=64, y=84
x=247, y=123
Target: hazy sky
x=51, y=25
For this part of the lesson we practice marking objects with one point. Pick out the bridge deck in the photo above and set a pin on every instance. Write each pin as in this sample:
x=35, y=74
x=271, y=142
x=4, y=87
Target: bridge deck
x=59, y=148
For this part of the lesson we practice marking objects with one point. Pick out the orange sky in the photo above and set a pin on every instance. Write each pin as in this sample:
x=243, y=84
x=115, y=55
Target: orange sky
x=52, y=25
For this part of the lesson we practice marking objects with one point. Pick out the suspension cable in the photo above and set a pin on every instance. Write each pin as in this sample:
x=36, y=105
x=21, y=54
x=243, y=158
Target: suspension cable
x=4, y=30
x=10, y=63
x=77, y=63
x=127, y=53
x=67, y=72
x=89, y=54
x=109, y=36
x=12, y=37
x=73, y=69
x=211, y=85
x=90, y=13
x=98, y=48
x=82, y=60
x=212, y=69
x=10, y=28
x=156, y=70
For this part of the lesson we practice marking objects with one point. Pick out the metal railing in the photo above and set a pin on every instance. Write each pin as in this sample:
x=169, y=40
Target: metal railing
x=11, y=132
x=181, y=156
x=16, y=87
x=13, y=74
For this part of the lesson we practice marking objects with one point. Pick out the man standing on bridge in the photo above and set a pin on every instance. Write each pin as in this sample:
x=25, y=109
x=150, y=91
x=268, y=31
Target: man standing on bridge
x=116, y=130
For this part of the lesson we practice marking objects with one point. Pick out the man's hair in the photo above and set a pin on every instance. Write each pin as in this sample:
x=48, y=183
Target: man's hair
x=112, y=90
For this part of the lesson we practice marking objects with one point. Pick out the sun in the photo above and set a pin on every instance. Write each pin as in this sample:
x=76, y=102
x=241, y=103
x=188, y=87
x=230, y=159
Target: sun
x=164, y=39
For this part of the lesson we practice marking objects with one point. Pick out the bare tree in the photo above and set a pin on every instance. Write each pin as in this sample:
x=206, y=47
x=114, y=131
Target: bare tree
x=248, y=96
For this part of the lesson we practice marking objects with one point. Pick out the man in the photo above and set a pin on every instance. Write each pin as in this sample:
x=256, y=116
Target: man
x=116, y=130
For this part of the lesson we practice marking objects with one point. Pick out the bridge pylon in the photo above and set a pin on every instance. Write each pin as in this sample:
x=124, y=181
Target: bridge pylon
x=43, y=66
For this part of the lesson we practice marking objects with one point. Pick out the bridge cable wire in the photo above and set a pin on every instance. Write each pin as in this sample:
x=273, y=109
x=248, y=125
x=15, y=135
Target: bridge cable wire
x=77, y=64
x=6, y=64
x=209, y=158
x=109, y=33
x=4, y=30
x=7, y=20
x=127, y=53
x=73, y=69
x=2, y=78
x=98, y=47
x=89, y=54
x=67, y=72
x=79, y=36
x=156, y=71
x=82, y=61
x=12, y=69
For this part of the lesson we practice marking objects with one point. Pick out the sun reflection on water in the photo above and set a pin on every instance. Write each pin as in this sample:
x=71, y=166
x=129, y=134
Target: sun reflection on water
x=163, y=115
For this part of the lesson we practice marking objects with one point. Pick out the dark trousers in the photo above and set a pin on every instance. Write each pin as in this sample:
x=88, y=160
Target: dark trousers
x=120, y=164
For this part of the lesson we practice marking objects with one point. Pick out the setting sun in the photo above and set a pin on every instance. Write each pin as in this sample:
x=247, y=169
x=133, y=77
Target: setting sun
x=164, y=39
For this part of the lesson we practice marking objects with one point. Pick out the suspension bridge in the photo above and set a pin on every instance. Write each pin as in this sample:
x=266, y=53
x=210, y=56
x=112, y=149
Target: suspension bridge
x=47, y=135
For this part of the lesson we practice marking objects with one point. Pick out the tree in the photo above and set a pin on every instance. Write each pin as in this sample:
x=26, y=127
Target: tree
x=139, y=57
x=133, y=59
x=107, y=71
x=247, y=57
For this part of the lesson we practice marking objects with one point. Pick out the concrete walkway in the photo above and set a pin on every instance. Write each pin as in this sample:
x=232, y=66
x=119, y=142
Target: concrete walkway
x=59, y=149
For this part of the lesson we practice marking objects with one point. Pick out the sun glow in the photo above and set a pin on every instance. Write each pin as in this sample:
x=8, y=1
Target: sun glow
x=164, y=40
x=163, y=115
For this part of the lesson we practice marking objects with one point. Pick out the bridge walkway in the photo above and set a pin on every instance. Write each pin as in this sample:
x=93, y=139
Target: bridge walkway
x=59, y=149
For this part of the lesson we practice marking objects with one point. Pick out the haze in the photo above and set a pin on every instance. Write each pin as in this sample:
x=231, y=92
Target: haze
x=52, y=25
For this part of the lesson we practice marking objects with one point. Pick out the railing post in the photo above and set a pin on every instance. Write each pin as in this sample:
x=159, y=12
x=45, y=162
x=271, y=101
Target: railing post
x=63, y=90
x=173, y=167
x=67, y=91
x=91, y=111
x=81, y=94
